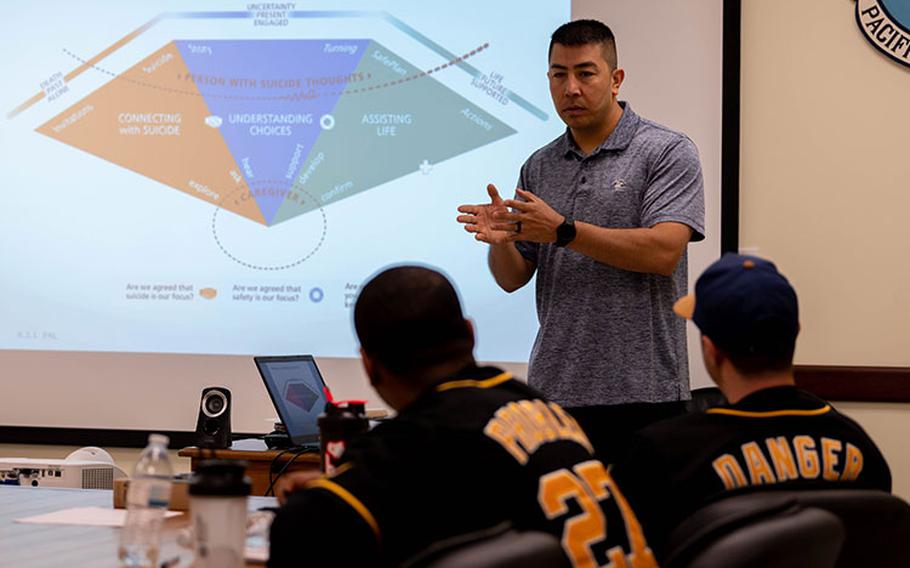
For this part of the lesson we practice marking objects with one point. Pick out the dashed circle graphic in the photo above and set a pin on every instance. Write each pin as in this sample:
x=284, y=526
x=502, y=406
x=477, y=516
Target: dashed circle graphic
x=297, y=262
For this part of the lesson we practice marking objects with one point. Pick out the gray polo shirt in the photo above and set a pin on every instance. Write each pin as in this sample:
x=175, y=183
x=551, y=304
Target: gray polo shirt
x=607, y=335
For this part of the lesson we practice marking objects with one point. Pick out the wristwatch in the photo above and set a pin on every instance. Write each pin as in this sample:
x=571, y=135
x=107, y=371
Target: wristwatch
x=565, y=233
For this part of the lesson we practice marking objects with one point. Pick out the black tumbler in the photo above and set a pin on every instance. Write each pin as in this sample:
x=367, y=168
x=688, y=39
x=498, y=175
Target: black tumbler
x=338, y=425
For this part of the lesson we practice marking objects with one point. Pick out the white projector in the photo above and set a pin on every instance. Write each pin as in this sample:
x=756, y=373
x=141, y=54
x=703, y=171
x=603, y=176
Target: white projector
x=86, y=468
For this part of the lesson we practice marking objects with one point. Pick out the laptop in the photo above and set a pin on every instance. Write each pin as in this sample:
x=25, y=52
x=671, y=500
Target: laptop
x=298, y=392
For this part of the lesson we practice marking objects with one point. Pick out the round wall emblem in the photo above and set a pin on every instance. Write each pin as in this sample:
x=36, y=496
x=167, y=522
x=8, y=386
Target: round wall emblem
x=886, y=24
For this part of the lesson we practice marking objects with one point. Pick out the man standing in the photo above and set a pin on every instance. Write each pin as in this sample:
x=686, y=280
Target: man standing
x=603, y=214
x=772, y=434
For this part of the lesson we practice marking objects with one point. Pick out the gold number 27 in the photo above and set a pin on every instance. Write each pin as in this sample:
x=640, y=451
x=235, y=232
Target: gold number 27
x=588, y=484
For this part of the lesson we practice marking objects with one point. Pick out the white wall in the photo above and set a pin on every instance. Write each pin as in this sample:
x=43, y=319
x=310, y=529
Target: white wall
x=889, y=425
x=825, y=173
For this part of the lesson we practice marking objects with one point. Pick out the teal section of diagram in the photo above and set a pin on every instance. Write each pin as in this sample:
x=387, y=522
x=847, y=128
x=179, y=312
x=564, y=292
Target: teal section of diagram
x=390, y=125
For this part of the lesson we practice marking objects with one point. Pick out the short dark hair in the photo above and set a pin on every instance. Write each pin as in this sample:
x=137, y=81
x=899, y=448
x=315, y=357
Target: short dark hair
x=409, y=319
x=773, y=361
x=771, y=354
x=583, y=32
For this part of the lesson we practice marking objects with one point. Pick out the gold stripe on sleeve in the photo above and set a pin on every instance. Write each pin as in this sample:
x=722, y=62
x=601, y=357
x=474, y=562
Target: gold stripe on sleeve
x=472, y=383
x=348, y=498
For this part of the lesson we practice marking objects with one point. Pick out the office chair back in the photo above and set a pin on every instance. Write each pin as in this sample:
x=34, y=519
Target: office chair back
x=752, y=534
x=704, y=398
x=497, y=548
x=877, y=524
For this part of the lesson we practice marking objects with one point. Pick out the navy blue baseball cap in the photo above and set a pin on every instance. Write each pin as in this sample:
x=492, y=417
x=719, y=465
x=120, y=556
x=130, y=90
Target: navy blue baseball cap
x=745, y=306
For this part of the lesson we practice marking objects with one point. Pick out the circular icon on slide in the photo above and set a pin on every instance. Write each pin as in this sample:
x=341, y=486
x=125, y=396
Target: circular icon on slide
x=327, y=122
x=316, y=295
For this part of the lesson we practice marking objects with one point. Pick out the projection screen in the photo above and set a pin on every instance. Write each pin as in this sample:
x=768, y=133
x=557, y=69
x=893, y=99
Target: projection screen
x=191, y=183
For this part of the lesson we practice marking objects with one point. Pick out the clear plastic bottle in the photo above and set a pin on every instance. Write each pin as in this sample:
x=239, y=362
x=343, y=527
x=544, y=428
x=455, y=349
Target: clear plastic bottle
x=147, y=500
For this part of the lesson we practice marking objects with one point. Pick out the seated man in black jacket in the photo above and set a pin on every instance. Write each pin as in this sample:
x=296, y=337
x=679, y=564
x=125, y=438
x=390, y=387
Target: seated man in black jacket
x=471, y=448
x=772, y=434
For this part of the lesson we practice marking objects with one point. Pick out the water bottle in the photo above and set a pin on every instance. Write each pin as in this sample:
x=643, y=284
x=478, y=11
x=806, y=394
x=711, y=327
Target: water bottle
x=146, y=500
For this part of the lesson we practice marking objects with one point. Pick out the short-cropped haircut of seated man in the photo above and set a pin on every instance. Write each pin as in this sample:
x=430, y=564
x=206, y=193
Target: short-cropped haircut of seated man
x=470, y=448
x=771, y=434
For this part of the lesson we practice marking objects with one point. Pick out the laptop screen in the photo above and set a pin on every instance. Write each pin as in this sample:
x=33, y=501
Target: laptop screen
x=297, y=391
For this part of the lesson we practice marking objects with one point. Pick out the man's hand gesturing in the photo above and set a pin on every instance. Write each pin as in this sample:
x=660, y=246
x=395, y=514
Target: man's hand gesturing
x=535, y=219
x=484, y=220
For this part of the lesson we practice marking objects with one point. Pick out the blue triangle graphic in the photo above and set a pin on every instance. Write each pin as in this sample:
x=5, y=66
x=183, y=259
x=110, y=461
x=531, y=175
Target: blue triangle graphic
x=267, y=97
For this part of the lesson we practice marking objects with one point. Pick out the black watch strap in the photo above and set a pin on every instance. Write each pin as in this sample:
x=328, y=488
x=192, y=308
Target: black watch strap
x=565, y=233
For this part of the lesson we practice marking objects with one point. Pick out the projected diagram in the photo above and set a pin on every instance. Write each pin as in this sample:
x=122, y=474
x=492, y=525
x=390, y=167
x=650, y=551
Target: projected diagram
x=272, y=129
